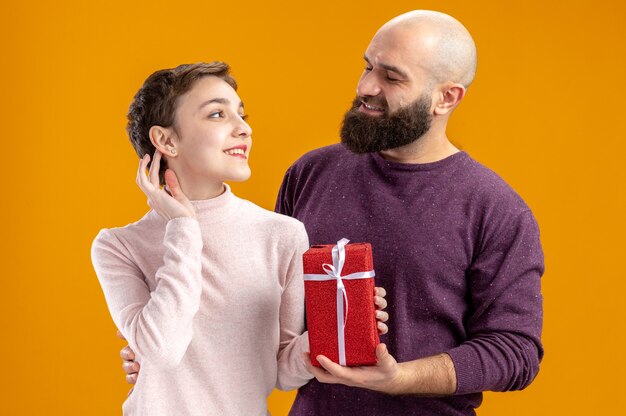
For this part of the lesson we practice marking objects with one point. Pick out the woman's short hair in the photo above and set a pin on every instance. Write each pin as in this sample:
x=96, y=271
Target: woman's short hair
x=155, y=102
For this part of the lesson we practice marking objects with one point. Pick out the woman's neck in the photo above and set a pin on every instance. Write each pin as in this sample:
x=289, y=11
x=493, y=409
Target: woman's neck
x=200, y=190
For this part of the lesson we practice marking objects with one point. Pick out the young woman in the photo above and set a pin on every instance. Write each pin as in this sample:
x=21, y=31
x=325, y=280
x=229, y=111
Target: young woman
x=207, y=287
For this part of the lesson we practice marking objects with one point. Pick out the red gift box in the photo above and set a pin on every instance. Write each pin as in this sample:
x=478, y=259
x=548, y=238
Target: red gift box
x=325, y=294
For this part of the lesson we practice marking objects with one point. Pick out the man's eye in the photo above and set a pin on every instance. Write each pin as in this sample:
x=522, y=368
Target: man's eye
x=392, y=79
x=216, y=114
x=368, y=68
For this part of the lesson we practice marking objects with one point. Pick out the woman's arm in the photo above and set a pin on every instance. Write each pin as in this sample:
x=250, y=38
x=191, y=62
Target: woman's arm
x=157, y=324
x=292, y=371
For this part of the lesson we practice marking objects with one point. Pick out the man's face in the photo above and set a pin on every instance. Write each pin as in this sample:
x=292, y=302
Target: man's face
x=364, y=133
x=394, y=96
x=396, y=72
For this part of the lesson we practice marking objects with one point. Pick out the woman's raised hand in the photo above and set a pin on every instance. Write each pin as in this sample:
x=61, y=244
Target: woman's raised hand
x=168, y=205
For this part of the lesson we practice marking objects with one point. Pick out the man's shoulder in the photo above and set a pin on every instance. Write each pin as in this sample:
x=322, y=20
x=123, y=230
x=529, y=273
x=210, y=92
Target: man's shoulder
x=322, y=156
x=490, y=187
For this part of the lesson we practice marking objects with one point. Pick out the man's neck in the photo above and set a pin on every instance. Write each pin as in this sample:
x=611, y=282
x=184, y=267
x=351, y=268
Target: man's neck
x=431, y=147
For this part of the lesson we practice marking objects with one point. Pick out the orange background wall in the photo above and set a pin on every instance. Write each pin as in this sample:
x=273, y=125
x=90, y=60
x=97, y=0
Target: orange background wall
x=545, y=112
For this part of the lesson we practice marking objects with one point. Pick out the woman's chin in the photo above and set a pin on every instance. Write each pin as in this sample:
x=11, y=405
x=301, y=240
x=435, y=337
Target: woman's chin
x=239, y=177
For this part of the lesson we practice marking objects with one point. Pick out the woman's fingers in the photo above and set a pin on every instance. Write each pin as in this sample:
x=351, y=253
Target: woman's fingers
x=142, y=180
x=172, y=184
x=154, y=169
x=177, y=193
x=172, y=204
x=141, y=171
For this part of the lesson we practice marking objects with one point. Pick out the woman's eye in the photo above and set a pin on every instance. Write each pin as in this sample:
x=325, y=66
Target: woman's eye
x=244, y=117
x=216, y=114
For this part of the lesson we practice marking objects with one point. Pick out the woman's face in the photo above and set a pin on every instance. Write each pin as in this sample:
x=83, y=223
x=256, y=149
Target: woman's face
x=214, y=139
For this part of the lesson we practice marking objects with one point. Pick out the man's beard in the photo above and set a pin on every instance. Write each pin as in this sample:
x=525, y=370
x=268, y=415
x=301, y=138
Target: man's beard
x=362, y=133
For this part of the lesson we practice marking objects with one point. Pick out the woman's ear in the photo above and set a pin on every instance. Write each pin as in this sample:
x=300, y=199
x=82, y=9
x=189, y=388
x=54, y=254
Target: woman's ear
x=164, y=140
x=450, y=95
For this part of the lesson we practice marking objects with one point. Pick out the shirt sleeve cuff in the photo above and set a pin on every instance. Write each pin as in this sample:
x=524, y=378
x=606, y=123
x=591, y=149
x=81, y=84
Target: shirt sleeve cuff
x=468, y=368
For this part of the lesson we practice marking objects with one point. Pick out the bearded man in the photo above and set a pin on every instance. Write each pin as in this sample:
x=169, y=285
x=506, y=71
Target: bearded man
x=457, y=250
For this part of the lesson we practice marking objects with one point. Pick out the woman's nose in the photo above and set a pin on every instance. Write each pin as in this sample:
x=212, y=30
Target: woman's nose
x=242, y=129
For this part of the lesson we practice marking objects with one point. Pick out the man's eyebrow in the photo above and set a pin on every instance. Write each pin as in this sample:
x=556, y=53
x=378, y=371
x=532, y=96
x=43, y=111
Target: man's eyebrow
x=388, y=68
x=219, y=101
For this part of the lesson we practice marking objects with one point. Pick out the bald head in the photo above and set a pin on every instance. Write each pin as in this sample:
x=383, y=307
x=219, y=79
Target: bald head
x=440, y=44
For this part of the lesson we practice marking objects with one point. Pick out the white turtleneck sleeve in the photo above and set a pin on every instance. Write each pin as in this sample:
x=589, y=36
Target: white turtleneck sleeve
x=157, y=323
x=292, y=371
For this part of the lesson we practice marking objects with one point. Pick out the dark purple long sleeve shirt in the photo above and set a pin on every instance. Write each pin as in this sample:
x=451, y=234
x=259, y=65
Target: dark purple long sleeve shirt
x=459, y=254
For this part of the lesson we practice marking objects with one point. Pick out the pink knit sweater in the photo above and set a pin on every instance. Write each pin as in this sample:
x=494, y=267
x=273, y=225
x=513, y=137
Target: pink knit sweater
x=213, y=307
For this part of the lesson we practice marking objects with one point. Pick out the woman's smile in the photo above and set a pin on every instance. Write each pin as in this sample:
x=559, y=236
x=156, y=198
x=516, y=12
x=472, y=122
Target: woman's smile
x=237, y=151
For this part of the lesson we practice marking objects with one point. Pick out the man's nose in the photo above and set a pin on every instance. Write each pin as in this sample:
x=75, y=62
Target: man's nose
x=368, y=85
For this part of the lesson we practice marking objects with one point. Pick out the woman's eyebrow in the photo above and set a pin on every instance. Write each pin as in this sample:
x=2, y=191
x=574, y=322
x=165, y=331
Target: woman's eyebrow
x=218, y=100
x=214, y=100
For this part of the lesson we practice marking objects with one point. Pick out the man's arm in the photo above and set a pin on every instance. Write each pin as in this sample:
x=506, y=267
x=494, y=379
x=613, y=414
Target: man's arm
x=430, y=376
x=503, y=348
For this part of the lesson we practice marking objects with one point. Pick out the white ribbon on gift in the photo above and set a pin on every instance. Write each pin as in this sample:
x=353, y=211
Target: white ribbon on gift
x=333, y=272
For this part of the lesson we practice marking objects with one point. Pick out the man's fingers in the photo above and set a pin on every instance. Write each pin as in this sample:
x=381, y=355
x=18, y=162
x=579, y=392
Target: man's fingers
x=330, y=366
x=380, y=291
x=381, y=352
x=319, y=373
x=130, y=367
x=382, y=316
x=127, y=354
x=131, y=378
x=385, y=360
x=380, y=302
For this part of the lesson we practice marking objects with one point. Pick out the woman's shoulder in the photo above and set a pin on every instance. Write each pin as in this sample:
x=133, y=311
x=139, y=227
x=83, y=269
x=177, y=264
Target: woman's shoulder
x=272, y=223
x=263, y=216
x=144, y=229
